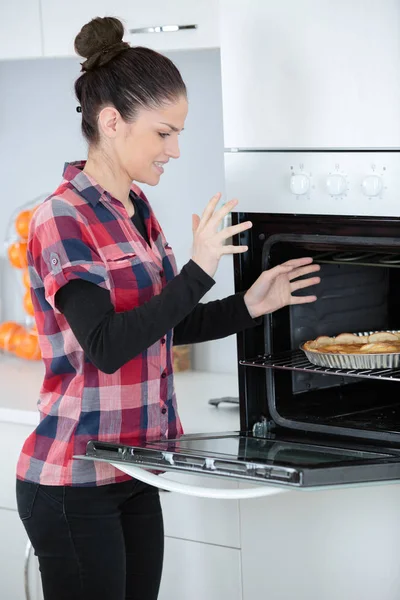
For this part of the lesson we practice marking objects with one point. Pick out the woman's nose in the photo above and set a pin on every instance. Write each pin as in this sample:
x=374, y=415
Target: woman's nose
x=173, y=148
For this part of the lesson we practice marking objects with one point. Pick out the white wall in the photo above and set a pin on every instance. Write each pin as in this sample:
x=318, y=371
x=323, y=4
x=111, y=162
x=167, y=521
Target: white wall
x=40, y=130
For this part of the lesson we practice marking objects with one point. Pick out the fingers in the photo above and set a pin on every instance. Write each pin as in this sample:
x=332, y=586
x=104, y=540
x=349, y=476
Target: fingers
x=215, y=218
x=233, y=249
x=195, y=222
x=234, y=230
x=302, y=299
x=209, y=209
x=301, y=271
x=283, y=269
x=298, y=262
x=218, y=216
x=304, y=283
x=293, y=273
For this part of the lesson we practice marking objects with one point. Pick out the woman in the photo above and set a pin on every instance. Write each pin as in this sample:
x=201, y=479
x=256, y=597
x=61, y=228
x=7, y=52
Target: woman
x=107, y=302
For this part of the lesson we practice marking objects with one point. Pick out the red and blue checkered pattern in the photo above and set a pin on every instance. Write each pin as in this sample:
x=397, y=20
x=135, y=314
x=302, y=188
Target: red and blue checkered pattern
x=81, y=232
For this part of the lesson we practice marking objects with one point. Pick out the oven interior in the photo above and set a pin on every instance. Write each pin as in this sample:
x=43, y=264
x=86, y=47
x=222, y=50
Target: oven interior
x=359, y=292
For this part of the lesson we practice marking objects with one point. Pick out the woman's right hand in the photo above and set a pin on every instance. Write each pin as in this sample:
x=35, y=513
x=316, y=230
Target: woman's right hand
x=208, y=240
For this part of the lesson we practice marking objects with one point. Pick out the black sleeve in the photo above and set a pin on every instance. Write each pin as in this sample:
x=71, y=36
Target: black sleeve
x=214, y=320
x=111, y=339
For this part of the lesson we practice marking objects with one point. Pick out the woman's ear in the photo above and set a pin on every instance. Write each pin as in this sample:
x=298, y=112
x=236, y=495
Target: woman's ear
x=109, y=118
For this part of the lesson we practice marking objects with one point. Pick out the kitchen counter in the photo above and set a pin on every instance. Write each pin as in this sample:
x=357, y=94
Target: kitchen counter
x=20, y=383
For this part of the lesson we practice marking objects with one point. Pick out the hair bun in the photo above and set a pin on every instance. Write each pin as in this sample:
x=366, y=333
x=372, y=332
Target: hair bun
x=99, y=41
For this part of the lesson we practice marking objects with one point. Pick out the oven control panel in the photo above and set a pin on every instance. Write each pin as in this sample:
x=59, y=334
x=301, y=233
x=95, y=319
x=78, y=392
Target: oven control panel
x=348, y=182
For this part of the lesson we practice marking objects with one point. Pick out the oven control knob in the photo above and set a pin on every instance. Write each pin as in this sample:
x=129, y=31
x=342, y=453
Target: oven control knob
x=300, y=184
x=372, y=185
x=336, y=184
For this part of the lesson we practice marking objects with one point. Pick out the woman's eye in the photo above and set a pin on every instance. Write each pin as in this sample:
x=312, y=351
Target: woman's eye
x=164, y=135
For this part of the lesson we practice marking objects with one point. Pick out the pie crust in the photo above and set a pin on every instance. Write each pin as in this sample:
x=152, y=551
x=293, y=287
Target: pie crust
x=380, y=342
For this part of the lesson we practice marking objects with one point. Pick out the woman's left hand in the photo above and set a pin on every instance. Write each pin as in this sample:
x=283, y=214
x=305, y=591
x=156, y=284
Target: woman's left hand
x=273, y=289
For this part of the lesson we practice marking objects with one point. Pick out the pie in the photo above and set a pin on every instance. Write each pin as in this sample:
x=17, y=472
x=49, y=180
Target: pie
x=380, y=342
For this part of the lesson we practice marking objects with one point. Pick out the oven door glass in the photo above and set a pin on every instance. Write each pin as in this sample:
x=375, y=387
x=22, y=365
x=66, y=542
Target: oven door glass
x=244, y=458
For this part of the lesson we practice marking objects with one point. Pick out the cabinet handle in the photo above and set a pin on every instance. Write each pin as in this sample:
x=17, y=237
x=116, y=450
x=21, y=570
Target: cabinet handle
x=28, y=553
x=162, y=29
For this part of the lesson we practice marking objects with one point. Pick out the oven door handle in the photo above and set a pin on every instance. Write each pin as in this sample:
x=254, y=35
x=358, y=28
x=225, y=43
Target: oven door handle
x=199, y=491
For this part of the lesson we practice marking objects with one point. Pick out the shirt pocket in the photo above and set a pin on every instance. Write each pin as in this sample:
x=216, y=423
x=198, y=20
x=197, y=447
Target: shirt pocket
x=132, y=279
x=120, y=260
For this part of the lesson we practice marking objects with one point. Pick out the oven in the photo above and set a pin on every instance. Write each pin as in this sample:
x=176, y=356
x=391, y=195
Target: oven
x=303, y=426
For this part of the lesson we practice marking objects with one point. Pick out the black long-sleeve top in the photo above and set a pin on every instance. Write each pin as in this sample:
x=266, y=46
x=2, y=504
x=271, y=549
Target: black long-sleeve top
x=110, y=339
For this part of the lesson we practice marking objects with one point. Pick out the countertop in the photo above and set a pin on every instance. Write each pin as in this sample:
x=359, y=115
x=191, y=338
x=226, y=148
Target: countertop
x=20, y=383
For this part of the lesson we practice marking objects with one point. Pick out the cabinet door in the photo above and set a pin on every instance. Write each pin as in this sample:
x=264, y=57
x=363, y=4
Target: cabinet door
x=310, y=74
x=12, y=438
x=12, y=558
x=20, y=31
x=60, y=26
x=200, y=571
x=201, y=519
x=322, y=545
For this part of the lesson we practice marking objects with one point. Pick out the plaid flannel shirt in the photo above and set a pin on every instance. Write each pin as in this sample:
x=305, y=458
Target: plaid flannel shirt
x=81, y=232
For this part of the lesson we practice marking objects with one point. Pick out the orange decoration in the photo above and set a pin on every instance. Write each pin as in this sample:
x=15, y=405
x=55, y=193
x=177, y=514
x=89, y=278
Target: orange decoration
x=13, y=336
x=16, y=339
x=17, y=255
x=25, y=279
x=22, y=223
x=28, y=347
x=28, y=306
x=8, y=330
x=33, y=330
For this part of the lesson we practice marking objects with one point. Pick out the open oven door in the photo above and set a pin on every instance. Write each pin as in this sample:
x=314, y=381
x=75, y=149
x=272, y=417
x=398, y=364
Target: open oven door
x=269, y=465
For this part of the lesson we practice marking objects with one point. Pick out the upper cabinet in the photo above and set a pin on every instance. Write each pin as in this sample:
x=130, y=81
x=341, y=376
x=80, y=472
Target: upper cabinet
x=143, y=22
x=311, y=73
x=20, y=35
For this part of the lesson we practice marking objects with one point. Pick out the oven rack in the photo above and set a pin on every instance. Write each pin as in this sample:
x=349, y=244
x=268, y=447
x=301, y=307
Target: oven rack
x=296, y=361
x=369, y=259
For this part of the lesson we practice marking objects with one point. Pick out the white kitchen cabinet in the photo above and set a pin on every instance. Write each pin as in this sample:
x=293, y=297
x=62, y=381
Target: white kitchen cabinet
x=13, y=537
x=339, y=544
x=201, y=519
x=60, y=26
x=12, y=558
x=200, y=572
x=12, y=438
x=20, y=31
x=314, y=73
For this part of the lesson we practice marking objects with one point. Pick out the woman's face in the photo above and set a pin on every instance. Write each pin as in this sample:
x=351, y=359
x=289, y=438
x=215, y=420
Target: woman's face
x=145, y=146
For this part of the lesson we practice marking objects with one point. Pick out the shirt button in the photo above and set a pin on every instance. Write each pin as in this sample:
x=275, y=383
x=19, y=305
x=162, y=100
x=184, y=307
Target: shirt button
x=163, y=340
x=161, y=273
x=163, y=375
x=163, y=410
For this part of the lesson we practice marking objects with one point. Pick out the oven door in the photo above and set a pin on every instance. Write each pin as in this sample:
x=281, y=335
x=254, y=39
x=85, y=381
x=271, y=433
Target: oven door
x=274, y=463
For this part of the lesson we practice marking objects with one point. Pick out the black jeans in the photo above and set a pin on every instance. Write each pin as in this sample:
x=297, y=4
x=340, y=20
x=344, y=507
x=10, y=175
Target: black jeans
x=95, y=543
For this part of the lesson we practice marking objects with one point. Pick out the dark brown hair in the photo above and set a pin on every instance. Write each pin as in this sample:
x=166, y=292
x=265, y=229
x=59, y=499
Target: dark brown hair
x=116, y=74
